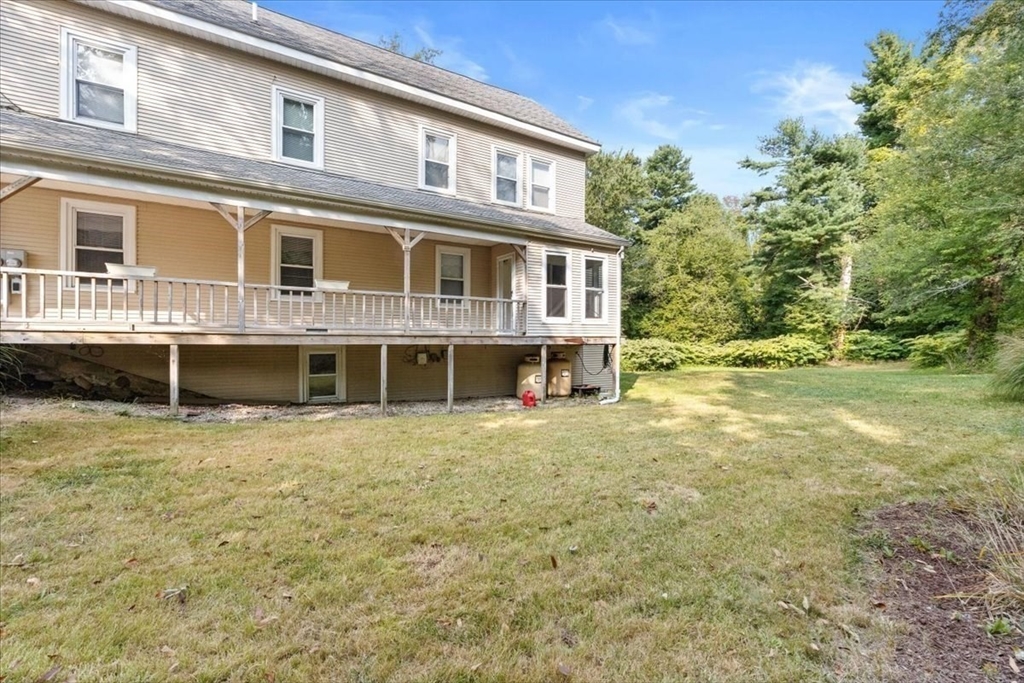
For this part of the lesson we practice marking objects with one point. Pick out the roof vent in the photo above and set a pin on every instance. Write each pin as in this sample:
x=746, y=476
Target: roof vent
x=255, y=12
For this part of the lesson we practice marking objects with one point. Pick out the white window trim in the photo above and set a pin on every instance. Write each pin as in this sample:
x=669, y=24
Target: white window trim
x=342, y=379
x=68, y=207
x=529, y=188
x=568, y=285
x=452, y=159
x=495, y=151
x=67, y=80
x=279, y=94
x=276, y=231
x=467, y=270
x=604, y=289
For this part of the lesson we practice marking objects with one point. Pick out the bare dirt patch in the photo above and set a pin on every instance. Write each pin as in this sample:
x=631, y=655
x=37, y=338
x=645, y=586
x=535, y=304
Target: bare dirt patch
x=27, y=408
x=931, y=568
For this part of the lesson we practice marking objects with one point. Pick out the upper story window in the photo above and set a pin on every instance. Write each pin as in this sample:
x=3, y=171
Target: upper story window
x=594, y=287
x=98, y=82
x=298, y=128
x=452, y=272
x=94, y=234
x=556, y=286
x=506, y=178
x=296, y=259
x=542, y=185
x=437, y=160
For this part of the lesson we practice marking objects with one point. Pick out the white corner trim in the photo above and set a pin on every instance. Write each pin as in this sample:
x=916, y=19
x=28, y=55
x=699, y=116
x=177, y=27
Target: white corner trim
x=277, y=120
x=130, y=56
x=385, y=84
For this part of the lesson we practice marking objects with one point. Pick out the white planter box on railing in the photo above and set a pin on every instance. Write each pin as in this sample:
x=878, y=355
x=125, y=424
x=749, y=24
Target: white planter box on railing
x=331, y=285
x=121, y=270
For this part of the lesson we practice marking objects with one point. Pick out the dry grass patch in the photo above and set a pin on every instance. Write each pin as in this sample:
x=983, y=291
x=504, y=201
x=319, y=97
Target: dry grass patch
x=652, y=540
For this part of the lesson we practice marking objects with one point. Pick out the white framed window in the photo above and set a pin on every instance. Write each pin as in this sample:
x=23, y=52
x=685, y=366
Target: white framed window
x=296, y=260
x=556, y=285
x=595, y=287
x=506, y=170
x=453, y=268
x=541, y=189
x=321, y=374
x=98, y=81
x=94, y=234
x=298, y=128
x=437, y=160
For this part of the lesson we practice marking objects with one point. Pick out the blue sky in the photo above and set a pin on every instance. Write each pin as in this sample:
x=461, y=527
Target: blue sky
x=710, y=77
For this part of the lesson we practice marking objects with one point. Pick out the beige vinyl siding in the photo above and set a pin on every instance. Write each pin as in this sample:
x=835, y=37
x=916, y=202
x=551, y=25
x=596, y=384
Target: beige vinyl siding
x=233, y=373
x=574, y=325
x=199, y=244
x=204, y=95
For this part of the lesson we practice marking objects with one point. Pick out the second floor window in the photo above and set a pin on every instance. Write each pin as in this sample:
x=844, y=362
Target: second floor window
x=593, y=289
x=298, y=128
x=437, y=165
x=506, y=177
x=98, y=82
x=542, y=185
x=556, y=285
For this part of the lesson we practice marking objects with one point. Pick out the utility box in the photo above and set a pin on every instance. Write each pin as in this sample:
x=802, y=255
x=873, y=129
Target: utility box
x=13, y=258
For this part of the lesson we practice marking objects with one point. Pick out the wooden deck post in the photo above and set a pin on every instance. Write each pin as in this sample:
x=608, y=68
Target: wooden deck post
x=407, y=242
x=543, y=373
x=173, y=369
x=240, y=228
x=451, y=378
x=384, y=379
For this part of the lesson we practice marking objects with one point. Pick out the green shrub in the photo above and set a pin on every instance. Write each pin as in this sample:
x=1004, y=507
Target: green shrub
x=646, y=355
x=787, y=351
x=650, y=355
x=943, y=349
x=1009, y=368
x=866, y=345
x=10, y=366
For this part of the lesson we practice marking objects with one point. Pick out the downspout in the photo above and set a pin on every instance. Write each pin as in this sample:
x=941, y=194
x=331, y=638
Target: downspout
x=616, y=397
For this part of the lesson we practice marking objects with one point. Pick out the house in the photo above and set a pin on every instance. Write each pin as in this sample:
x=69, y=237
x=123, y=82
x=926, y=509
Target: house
x=240, y=204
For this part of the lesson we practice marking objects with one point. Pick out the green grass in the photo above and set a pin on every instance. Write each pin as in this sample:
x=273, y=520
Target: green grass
x=420, y=548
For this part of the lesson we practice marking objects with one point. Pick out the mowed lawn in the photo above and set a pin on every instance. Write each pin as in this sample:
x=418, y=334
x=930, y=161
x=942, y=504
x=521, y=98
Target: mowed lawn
x=647, y=541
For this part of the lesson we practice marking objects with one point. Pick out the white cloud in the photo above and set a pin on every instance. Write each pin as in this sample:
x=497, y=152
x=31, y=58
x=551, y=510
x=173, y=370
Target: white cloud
x=584, y=102
x=450, y=58
x=625, y=34
x=817, y=92
x=655, y=114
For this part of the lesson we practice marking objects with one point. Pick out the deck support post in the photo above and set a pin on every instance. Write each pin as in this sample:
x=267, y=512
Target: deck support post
x=451, y=378
x=384, y=379
x=543, y=373
x=173, y=371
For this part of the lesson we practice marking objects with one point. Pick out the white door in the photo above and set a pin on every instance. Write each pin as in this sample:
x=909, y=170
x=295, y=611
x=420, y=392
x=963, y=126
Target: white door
x=506, y=291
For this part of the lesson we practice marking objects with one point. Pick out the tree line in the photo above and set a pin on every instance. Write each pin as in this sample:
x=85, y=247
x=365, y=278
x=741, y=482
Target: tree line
x=913, y=226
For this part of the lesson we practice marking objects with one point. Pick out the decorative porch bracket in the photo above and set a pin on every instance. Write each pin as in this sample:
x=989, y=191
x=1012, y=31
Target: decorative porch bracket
x=17, y=186
x=407, y=242
x=240, y=223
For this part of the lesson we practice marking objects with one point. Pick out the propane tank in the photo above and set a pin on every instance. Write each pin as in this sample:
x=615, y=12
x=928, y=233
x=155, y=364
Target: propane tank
x=529, y=399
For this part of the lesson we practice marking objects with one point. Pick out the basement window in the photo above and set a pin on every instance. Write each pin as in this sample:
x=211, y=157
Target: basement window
x=322, y=374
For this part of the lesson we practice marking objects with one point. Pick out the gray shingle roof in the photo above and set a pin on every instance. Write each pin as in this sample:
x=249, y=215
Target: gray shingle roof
x=30, y=135
x=315, y=40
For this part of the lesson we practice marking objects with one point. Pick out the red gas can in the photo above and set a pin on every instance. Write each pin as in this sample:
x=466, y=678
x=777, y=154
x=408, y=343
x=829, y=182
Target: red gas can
x=529, y=399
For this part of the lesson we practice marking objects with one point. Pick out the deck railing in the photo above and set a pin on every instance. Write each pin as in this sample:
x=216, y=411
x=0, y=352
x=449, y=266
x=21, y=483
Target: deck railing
x=58, y=299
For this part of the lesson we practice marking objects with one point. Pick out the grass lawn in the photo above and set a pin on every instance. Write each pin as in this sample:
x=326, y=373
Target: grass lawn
x=647, y=541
